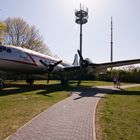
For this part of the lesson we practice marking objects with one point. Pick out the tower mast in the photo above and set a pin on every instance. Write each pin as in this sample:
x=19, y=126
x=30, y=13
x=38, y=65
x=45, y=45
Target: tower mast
x=111, y=40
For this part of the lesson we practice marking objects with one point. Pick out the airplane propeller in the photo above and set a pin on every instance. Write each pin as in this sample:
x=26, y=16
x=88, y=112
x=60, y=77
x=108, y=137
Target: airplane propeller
x=50, y=67
x=83, y=63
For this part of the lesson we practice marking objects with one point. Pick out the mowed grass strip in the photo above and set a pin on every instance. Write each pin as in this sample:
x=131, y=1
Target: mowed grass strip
x=118, y=116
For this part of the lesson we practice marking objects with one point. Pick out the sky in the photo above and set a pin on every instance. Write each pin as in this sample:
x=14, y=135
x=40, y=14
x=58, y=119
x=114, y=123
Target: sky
x=55, y=20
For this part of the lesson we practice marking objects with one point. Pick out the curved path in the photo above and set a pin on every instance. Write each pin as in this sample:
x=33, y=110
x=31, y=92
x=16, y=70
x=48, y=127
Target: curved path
x=70, y=119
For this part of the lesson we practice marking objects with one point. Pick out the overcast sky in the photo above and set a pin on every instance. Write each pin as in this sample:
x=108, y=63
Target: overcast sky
x=55, y=20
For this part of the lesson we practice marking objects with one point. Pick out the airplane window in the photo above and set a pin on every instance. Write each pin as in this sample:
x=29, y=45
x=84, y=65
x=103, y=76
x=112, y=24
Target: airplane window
x=9, y=50
x=23, y=55
x=4, y=48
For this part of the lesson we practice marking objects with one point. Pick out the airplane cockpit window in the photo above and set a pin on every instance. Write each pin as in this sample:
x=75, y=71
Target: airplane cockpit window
x=8, y=50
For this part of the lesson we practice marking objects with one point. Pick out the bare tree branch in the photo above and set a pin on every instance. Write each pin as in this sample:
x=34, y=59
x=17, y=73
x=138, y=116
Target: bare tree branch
x=19, y=33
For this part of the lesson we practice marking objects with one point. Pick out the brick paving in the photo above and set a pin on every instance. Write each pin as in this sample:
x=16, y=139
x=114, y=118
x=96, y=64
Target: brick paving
x=70, y=119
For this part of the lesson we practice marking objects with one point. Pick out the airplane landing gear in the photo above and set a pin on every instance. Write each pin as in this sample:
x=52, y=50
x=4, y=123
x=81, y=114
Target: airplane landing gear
x=64, y=82
x=1, y=84
x=30, y=81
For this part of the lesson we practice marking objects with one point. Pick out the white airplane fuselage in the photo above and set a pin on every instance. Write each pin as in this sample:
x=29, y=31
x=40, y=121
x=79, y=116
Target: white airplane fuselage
x=21, y=60
x=24, y=61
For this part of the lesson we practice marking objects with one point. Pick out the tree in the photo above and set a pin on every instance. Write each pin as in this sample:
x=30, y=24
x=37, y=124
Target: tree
x=2, y=29
x=19, y=33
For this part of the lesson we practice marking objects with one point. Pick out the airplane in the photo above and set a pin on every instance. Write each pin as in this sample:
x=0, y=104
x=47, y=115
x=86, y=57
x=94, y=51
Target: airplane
x=19, y=60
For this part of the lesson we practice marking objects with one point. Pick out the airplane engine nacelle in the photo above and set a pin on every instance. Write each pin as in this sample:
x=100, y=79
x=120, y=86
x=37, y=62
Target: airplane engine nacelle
x=84, y=63
x=49, y=68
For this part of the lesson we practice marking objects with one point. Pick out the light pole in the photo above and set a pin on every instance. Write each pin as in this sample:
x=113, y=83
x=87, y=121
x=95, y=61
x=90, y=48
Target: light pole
x=81, y=18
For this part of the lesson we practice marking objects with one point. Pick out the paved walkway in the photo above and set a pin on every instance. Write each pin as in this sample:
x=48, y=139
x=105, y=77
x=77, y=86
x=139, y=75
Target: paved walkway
x=70, y=119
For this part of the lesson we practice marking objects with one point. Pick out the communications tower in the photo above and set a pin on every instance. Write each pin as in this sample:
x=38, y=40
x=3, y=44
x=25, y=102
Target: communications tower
x=81, y=18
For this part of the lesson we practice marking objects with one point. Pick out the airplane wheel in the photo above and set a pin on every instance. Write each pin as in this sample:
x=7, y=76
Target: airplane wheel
x=30, y=81
x=1, y=85
x=64, y=82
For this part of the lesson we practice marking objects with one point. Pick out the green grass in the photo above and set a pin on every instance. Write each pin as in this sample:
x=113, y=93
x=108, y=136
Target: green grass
x=94, y=83
x=119, y=117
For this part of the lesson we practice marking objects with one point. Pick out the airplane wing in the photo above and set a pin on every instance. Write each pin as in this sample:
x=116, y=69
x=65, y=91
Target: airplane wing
x=116, y=64
x=89, y=65
x=100, y=67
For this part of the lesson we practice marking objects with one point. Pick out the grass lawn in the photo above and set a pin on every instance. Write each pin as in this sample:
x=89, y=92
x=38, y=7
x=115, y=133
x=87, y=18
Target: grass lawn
x=118, y=116
x=19, y=102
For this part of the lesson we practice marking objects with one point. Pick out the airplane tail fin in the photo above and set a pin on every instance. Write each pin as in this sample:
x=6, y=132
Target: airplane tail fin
x=75, y=61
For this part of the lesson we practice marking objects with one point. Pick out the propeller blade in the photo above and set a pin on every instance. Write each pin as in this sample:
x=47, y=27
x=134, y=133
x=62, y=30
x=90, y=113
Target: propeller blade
x=50, y=67
x=48, y=78
x=80, y=55
x=42, y=62
x=84, y=63
x=55, y=64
